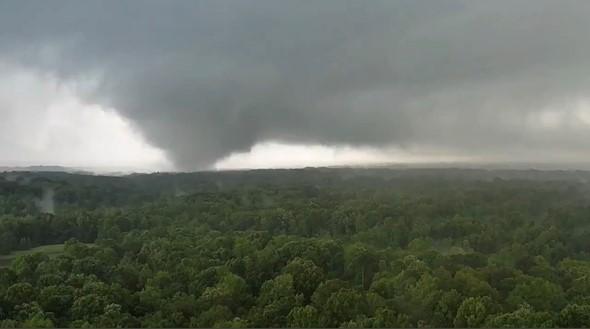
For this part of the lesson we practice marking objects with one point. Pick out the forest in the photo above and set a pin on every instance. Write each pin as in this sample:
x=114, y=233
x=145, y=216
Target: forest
x=331, y=247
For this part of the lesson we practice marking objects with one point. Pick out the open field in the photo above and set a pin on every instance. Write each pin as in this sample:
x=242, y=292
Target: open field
x=51, y=250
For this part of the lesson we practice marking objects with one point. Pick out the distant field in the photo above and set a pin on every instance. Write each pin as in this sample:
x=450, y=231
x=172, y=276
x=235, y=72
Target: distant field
x=51, y=250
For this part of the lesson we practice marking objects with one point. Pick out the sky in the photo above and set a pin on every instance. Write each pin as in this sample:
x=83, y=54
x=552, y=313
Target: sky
x=190, y=85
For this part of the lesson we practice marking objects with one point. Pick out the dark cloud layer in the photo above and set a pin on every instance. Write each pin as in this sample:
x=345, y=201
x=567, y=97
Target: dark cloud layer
x=202, y=79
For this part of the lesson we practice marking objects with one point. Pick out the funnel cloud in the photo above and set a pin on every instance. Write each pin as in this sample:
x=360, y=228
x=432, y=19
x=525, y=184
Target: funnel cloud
x=201, y=80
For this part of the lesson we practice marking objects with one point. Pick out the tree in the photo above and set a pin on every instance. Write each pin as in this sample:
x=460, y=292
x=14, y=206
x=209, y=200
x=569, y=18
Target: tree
x=88, y=307
x=388, y=318
x=344, y=305
x=277, y=298
x=539, y=293
x=473, y=312
x=306, y=276
x=420, y=298
x=114, y=317
x=208, y=318
x=57, y=299
x=39, y=320
x=524, y=317
x=303, y=317
x=363, y=262
x=325, y=290
x=446, y=308
x=469, y=284
x=25, y=266
x=574, y=316
x=19, y=293
x=231, y=291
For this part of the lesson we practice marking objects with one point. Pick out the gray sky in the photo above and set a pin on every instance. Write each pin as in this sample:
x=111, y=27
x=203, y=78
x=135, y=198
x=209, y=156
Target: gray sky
x=201, y=84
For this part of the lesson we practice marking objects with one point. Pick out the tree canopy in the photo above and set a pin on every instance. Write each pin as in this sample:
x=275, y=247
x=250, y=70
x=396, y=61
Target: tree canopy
x=297, y=248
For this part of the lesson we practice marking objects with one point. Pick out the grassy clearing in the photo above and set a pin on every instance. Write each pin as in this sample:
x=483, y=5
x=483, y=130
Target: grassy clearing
x=51, y=250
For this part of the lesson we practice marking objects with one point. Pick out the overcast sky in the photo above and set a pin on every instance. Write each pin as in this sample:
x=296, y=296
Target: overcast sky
x=186, y=85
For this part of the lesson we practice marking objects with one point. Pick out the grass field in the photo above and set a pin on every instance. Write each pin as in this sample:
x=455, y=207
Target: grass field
x=51, y=250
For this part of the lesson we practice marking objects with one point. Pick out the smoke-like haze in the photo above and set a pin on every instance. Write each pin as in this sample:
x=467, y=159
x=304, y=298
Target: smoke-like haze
x=203, y=79
x=46, y=203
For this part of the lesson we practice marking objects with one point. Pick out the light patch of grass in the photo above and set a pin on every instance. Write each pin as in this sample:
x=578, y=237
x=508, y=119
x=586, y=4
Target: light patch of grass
x=52, y=250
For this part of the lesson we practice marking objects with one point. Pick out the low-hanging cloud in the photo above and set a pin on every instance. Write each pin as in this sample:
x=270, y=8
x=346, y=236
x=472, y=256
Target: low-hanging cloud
x=203, y=79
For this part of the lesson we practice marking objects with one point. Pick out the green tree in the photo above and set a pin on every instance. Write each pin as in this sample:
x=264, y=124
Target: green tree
x=114, y=317
x=277, y=298
x=19, y=293
x=473, y=312
x=39, y=320
x=88, y=307
x=388, y=318
x=231, y=291
x=303, y=317
x=574, y=316
x=362, y=262
x=57, y=299
x=211, y=316
x=306, y=276
x=539, y=293
x=446, y=308
x=343, y=306
x=524, y=317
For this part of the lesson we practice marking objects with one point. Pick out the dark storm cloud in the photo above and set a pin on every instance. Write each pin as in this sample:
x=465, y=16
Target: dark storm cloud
x=204, y=79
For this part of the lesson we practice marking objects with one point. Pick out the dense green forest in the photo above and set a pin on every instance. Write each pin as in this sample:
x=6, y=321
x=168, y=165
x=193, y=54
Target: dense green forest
x=297, y=248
